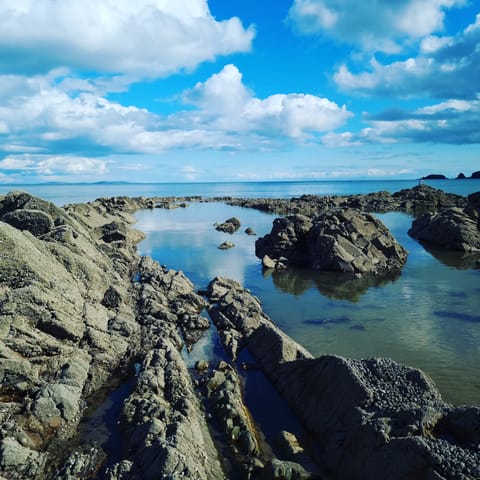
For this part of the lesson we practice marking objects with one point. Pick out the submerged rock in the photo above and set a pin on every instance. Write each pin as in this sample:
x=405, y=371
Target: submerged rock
x=337, y=240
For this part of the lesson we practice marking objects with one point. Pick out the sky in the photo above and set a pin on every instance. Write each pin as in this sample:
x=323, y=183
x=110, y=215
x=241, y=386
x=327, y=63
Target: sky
x=238, y=90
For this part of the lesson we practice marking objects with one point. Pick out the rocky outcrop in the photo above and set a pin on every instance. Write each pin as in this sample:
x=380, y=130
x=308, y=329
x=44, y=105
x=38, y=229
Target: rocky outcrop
x=416, y=200
x=337, y=240
x=369, y=419
x=229, y=226
x=78, y=306
x=451, y=228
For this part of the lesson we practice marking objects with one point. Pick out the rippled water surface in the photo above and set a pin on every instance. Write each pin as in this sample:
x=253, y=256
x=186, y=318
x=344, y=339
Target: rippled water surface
x=427, y=317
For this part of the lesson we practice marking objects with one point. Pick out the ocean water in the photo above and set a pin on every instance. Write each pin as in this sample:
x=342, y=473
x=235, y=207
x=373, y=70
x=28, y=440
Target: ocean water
x=62, y=194
x=427, y=317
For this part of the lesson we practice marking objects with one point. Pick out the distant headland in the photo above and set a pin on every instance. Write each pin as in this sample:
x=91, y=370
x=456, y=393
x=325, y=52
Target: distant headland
x=460, y=176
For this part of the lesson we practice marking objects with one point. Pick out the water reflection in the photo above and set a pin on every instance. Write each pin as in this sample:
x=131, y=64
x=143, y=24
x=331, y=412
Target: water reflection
x=336, y=286
x=453, y=258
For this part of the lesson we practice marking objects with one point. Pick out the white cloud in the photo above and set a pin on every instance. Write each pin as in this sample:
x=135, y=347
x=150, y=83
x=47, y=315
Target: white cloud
x=451, y=122
x=54, y=165
x=43, y=118
x=447, y=67
x=142, y=38
x=373, y=25
x=225, y=102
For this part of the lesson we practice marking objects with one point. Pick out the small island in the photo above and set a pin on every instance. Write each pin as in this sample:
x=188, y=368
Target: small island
x=460, y=176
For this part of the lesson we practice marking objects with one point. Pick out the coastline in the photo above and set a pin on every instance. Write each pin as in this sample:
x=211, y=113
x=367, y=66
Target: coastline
x=147, y=313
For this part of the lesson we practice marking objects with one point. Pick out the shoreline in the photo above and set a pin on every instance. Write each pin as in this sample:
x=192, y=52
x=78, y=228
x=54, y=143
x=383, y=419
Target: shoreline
x=146, y=315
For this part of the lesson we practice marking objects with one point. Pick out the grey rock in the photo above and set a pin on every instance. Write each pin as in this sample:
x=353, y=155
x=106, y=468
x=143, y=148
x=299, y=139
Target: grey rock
x=226, y=245
x=337, y=240
x=364, y=416
x=35, y=221
x=229, y=226
x=452, y=228
x=250, y=231
x=284, y=470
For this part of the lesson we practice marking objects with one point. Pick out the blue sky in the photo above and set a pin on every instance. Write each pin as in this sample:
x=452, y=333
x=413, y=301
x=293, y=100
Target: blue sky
x=238, y=90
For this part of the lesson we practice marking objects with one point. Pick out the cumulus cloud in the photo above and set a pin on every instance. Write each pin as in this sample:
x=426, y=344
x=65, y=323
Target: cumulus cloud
x=42, y=119
x=450, y=122
x=225, y=102
x=446, y=68
x=146, y=38
x=374, y=25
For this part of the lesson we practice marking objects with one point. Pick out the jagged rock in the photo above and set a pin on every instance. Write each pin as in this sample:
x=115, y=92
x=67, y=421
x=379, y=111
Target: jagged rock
x=164, y=429
x=451, y=228
x=18, y=462
x=283, y=470
x=111, y=298
x=267, y=262
x=337, y=240
x=35, y=221
x=368, y=419
x=229, y=226
x=289, y=444
x=114, y=232
x=226, y=245
x=416, y=200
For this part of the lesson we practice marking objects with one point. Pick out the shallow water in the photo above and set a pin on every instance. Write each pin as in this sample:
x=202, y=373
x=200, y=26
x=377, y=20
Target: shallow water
x=427, y=317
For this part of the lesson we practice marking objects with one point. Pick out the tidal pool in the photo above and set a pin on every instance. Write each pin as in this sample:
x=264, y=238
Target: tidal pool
x=426, y=317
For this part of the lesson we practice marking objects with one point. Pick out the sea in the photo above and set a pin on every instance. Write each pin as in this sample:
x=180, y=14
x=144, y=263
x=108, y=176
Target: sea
x=428, y=316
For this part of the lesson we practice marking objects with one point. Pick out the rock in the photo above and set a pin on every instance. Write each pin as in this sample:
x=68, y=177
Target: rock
x=289, y=444
x=18, y=462
x=114, y=232
x=220, y=286
x=35, y=221
x=201, y=365
x=461, y=176
x=267, y=262
x=111, y=298
x=363, y=416
x=462, y=424
x=226, y=245
x=475, y=175
x=250, y=231
x=337, y=240
x=452, y=228
x=163, y=427
x=416, y=200
x=282, y=470
x=229, y=226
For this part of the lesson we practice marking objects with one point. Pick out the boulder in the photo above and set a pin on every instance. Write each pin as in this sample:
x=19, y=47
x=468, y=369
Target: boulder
x=337, y=240
x=452, y=228
x=35, y=221
x=226, y=245
x=371, y=419
x=229, y=226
